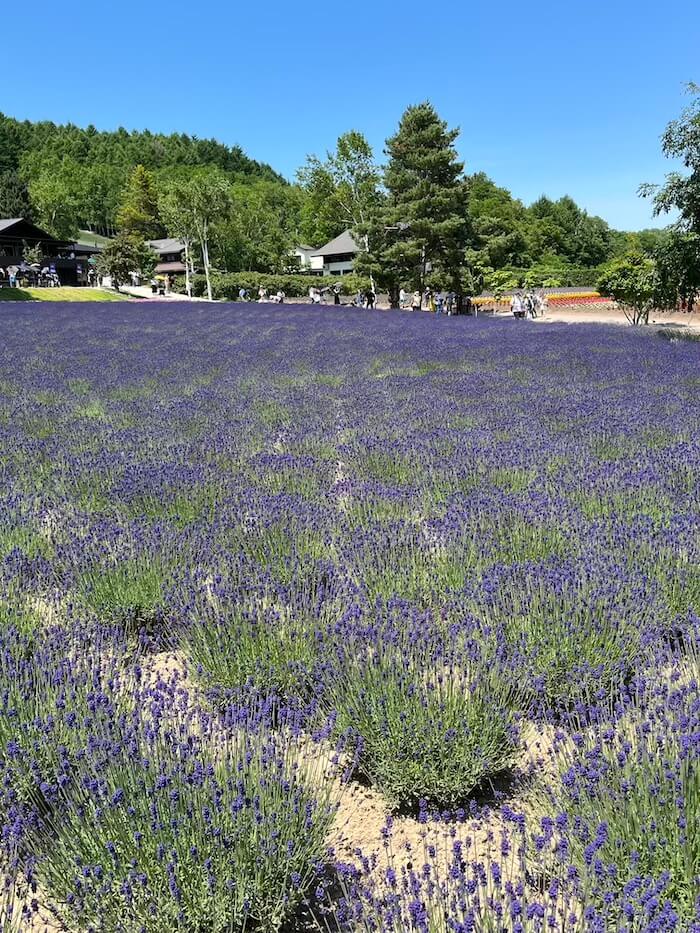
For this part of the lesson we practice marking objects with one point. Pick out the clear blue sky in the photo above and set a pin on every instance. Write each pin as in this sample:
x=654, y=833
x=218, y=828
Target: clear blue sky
x=552, y=97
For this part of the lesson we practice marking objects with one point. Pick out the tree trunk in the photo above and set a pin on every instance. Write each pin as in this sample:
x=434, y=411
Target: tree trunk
x=205, y=257
x=371, y=277
x=188, y=283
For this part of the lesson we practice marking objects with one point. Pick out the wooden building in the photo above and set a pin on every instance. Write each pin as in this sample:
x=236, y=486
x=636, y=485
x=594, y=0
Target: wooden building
x=69, y=261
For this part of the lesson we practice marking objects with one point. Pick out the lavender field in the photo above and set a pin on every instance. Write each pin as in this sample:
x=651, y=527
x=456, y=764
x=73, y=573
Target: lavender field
x=347, y=621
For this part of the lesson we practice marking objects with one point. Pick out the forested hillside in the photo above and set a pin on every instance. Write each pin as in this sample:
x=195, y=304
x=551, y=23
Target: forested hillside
x=67, y=177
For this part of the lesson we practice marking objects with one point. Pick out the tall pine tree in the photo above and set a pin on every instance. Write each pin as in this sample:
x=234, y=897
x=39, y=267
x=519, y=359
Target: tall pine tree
x=138, y=213
x=424, y=225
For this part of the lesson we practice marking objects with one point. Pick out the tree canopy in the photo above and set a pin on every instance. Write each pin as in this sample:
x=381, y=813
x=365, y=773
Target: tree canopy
x=419, y=207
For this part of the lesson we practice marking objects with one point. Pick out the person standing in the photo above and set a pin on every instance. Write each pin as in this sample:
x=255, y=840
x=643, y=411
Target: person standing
x=415, y=301
x=262, y=293
x=371, y=299
x=439, y=301
x=402, y=297
x=516, y=306
x=336, y=294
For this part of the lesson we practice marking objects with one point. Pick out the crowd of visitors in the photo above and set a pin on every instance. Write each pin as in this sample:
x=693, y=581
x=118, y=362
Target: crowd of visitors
x=29, y=276
x=524, y=304
x=528, y=304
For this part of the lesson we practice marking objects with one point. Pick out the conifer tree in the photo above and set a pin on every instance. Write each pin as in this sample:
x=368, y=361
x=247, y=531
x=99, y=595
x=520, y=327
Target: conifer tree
x=138, y=213
x=424, y=222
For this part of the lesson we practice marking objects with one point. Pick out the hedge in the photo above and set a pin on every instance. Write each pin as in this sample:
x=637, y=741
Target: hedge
x=551, y=274
x=226, y=285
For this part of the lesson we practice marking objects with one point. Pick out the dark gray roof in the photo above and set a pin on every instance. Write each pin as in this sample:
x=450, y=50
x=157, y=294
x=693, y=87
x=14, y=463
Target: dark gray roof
x=4, y=224
x=167, y=245
x=78, y=247
x=341, y=244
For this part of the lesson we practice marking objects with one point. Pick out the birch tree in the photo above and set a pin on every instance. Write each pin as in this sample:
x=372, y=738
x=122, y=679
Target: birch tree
x=344, y=190
x=209, y=202
x=178, y=215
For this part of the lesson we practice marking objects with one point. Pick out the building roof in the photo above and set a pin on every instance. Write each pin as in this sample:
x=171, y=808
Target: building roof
x=307, y=249
x=89, y=248
x=10, y=222
x=339, y=245
x=166, y=245
x=28, y=230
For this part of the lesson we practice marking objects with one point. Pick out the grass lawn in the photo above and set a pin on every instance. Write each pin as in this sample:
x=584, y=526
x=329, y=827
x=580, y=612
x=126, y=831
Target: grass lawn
x=58, y=294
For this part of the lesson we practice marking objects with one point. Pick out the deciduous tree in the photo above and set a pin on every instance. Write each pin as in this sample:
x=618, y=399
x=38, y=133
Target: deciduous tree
x=210, y=201
x=177, y=213
x=635, y=283
x=343, y=191
x=125, y=254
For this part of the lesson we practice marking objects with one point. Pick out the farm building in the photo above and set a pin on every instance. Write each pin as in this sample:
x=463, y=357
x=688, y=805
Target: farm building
x=337, y=257
x=70, y=261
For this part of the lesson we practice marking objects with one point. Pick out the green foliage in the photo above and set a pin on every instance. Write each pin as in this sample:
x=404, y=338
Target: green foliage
x=678, y=261
x=260, y=229
x=131, y=593
x=226, y=286
x=124, y=255
x=501, y=281
x=463, y=716
x=68, y=178
x=138, y=212
x=678, y=254
x=54, y=192
x=342, y=192
x=634, y=282
x=14, y=196
x=571, y=643
x=681, y=192
x=424, y=219
x=227, y=875
x=32, y=254
x=268, y=650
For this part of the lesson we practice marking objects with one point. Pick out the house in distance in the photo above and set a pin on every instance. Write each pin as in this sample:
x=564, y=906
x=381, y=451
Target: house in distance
x=337, y=257
x=68, y=260
x=170, y=256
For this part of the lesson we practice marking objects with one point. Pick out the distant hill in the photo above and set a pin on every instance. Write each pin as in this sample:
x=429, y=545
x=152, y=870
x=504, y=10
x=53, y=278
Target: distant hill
x=66, y=178
x=128, y=148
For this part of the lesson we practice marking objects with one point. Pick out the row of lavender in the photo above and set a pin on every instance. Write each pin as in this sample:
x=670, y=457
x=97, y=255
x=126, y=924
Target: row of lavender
x=251, y=556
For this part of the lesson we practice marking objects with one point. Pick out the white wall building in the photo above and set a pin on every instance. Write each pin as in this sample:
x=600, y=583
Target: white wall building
x=337, y=257
x=304, y=254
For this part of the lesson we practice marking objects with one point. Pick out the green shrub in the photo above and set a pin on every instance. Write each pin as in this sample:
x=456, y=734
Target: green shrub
x=130, y=594
x=268, y=650
x=424, y=731
x=185, y=827
x=226, y=285
x=570, y=640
